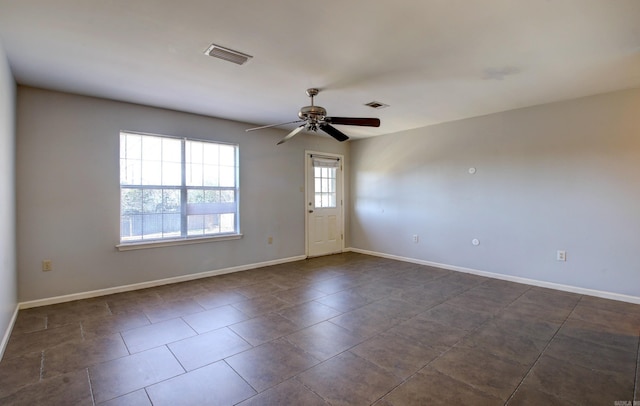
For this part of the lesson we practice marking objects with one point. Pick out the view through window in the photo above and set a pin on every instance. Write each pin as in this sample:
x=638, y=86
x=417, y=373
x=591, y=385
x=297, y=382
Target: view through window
x=324, y=175
x=176, y=188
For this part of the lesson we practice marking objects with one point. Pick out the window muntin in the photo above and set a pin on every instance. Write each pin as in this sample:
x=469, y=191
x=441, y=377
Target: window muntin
x=325, y=187
x=173, y=188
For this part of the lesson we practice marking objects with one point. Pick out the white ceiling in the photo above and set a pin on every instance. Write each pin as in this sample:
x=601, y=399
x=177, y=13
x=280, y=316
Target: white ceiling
x=430, y=60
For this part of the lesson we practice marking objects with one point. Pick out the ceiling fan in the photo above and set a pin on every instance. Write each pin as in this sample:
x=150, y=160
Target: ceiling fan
x=315, y=117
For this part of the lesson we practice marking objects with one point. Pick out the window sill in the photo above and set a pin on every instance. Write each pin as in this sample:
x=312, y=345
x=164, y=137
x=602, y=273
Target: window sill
x=170, y=243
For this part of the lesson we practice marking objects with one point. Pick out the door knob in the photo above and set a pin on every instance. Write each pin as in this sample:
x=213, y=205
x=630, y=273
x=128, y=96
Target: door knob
x=310, y=211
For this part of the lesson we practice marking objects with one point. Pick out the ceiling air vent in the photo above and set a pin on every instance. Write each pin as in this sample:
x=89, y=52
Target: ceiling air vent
x=227, y=54
x=376, y=105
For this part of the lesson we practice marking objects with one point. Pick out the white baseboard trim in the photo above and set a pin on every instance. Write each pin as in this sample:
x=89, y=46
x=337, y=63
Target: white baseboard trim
x=184, y=278
x=7, y=333
x=151, y=284
x=510, y=278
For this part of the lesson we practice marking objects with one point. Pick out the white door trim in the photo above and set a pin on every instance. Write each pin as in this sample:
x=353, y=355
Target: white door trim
x=307, y=158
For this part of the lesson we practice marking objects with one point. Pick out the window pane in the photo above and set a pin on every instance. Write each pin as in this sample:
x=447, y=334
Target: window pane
x=131, y=201
x=194, y=175
x=152, y=200
x=194, y=152
x=227, y=155
x=171, y=225
x=171, y=150
x=151, y=173
x=171, y=173
x=123, y=145
x=325, y=200
x=325, y=185
x=130, y=172
x=132, y=146
x=151, y=148
x=195, y=225
x=131, y=227
x=210, y=175
x=227, y=222
x=211, y=154
x=227, y=176
x=212, y=196
x=170, y=201
x=151, y=226
x=227, y=196
x=211, y=223
x=195, y=196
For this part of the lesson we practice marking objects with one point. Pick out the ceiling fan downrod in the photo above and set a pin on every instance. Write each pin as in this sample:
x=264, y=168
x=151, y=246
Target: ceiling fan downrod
x=313, y=114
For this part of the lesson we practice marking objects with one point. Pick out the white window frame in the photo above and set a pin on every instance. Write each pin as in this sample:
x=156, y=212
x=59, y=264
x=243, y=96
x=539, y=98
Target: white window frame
x=186, y=209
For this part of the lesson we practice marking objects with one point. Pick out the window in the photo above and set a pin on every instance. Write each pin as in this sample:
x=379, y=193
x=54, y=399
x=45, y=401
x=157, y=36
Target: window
x=324, y=174
x=172, y=188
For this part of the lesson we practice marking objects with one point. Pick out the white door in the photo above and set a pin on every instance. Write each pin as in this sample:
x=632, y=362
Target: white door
x=324, y=204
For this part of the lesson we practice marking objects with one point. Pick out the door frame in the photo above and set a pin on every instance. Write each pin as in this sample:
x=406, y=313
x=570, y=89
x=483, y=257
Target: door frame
x=307, y=164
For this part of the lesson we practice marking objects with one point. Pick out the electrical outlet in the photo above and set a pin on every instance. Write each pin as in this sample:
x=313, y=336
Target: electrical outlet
x=47, y=265
x=561, y=255
x=270, y=240
x=416, y=238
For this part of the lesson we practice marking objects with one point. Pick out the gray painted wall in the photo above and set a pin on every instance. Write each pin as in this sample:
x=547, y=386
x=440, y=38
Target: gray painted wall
x=68, y=194
x=8, y=286
x=562, y=176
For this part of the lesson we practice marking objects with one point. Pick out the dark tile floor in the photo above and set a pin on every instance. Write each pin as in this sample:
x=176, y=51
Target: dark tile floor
x=346, y=329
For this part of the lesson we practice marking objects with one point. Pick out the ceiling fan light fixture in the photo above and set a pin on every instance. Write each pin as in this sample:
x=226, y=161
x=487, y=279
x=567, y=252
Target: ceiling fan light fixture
x=227, y=54
x=376, y=105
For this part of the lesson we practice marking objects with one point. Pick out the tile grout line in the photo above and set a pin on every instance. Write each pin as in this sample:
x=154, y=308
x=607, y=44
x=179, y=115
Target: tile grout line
x=178, y=360
x=155, y=383
x=543, y=351
x=493, y=316
x=106, y=303
x=321, y=361
x=310, y=389
x=346, y=350
x=241, y=377
x=125, y=344
x=93, y=399
x=41, y=365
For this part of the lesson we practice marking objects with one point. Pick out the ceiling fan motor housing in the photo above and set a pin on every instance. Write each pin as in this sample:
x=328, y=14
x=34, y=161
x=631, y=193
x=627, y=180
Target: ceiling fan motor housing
x=312, y=113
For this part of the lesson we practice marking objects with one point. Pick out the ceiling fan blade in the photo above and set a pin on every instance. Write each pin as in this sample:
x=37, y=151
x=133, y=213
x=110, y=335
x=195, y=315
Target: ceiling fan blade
x=334, y=132
x=272, y=125
x=361, y=121
x=292, y=133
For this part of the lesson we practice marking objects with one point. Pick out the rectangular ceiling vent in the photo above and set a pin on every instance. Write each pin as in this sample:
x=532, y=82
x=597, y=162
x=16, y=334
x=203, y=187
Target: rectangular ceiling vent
x=227, y=54
x=376, y=105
